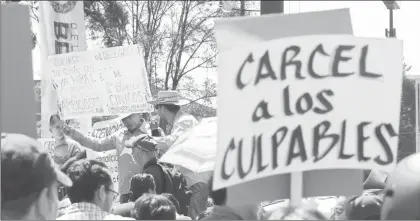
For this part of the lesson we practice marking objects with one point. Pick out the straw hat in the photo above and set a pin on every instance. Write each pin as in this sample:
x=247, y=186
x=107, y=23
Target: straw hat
x=169, y=97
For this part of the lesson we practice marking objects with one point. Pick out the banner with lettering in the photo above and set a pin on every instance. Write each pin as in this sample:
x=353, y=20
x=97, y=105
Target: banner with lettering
x=62, y=30
x=101, y=82
x=106, y=128
x=312, y=102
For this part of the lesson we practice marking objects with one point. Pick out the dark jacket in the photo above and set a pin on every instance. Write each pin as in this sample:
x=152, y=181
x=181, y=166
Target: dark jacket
x=162, y=179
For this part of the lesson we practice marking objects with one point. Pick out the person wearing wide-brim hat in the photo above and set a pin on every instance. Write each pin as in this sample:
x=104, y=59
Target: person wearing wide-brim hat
x=135, y=125
x=168, y=105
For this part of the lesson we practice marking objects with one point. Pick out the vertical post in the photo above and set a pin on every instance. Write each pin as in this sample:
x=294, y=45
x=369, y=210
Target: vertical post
x=242, y=7
x=269, y=7
x=417, y=116
x=391, y=24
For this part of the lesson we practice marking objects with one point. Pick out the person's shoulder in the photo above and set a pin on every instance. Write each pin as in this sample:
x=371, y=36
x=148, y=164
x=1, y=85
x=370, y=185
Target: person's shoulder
x=116, y=217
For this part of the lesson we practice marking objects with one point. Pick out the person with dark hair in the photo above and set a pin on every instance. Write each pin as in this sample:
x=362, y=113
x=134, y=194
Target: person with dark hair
x=64, y=149
x=92, y=193
x=295, y=213
x=134, y=125
x=140, y=184
x=176, y=204
x=168, y=180
x=153, y=207
x=29, y=180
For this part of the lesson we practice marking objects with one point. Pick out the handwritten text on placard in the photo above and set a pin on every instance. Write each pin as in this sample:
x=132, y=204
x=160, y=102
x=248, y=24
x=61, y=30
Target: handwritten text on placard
x=312, y=102
x=101, y=82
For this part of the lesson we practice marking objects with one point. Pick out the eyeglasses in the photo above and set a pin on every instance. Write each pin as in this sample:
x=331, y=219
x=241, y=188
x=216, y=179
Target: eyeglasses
x=113, y=191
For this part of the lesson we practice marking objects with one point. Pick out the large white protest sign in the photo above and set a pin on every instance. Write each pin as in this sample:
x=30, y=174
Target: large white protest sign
x=101, y=82
x=312, y=102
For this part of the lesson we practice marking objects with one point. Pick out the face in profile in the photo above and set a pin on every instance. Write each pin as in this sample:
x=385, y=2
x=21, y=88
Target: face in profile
x=111, y=195
x=56, y=128
x=133, y=122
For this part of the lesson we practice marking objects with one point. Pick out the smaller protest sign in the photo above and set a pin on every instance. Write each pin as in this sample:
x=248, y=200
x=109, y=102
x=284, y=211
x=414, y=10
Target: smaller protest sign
x=313, y=102
x=101, y=82
x=106, y=128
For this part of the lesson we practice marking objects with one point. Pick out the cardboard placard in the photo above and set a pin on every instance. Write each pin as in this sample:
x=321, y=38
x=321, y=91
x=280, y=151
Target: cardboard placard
x=300, y=108
x=235, y=32
x=101, y=82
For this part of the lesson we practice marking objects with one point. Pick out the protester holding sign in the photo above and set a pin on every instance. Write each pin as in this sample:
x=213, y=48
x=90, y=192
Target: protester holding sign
x=127, y=167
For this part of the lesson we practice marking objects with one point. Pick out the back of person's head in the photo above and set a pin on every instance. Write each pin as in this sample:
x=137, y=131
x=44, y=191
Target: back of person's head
x=29, y=180
x=140, y=184
x=402, y=192
x=54, y=119
x=218, y=196
x=153, y=207
x=365, y=207
x=295, y=213
x=92, y=183
x=173, y=200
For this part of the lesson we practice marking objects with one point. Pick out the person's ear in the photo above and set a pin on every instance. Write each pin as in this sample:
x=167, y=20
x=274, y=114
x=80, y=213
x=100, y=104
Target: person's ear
x=46, y=204
x=101, y=193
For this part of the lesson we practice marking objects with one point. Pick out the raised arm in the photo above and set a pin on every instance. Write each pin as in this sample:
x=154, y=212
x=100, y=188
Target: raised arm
x=165, y=142
x=103, y=144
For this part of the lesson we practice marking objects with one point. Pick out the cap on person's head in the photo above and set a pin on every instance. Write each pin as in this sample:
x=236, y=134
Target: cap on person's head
x=402, y=192
x=365, y=207
x=26, y=168
x=143, y=142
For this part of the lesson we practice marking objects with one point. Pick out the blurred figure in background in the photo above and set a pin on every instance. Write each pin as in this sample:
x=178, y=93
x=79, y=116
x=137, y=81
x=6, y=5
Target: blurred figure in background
x=29, y=180
x=154, y=207
x=402, y=192
x=92, y=193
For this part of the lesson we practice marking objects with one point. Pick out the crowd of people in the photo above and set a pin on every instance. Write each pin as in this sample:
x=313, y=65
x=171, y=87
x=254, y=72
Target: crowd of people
x=69, y=186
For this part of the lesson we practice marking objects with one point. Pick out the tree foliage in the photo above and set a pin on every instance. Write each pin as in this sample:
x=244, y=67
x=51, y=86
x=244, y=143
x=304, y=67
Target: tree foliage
x=407, y=138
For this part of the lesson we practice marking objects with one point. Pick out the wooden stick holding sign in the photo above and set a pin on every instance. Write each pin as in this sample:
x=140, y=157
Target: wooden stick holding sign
x=296, y=186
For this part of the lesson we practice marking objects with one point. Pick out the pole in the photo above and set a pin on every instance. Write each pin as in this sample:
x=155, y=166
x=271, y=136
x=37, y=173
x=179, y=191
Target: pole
x=269, y=7
x=417, y=115
x=242, y=7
